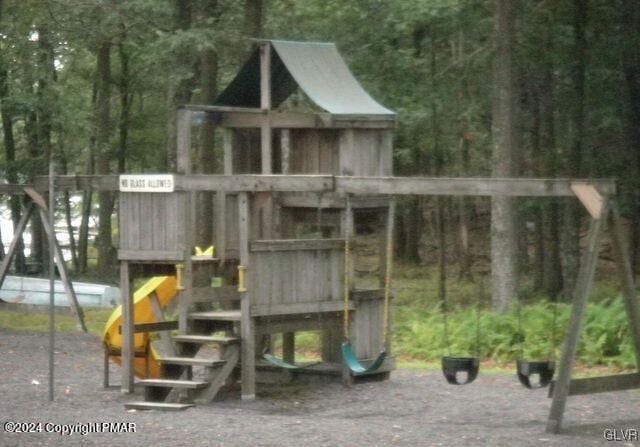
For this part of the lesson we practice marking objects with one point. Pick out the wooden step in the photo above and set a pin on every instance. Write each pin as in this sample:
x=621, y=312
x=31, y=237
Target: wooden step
x=203, y=339
x=217, y=315
x=162, y=406
x=190, y=361
x=167, y=383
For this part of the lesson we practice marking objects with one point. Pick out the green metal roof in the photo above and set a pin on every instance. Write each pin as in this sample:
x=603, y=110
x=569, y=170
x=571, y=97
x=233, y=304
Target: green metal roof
x=317, y=68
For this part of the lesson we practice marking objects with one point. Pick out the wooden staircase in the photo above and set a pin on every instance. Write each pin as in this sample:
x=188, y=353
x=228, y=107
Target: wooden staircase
x=177, y=389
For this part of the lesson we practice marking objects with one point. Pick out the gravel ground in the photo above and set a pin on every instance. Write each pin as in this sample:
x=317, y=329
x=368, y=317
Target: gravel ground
x=414, y=408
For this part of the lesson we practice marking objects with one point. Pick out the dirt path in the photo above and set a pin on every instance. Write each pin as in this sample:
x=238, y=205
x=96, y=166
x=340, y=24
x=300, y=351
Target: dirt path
x=414, y=408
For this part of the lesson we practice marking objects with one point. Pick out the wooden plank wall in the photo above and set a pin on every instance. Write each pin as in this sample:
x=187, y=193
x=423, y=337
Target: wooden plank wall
x=246, y=152
x=314, y=151
x=296, y=276
x=151, y=221
x=230, y=216
x=367, y=328
x=366, y=152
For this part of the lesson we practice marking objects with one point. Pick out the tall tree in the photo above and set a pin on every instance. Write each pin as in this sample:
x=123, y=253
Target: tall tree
x=575, y=163
x=10, y=149
x=503, y=228
x=630, y=19
x=181, y=82
x=104, y=243
x=206, y=157
x=254, y=17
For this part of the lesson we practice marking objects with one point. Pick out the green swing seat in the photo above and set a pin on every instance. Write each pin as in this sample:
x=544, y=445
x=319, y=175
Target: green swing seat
x=354, y=365
x=279, y=362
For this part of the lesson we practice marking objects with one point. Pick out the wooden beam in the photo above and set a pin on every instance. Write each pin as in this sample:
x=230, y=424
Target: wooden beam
x=296, y=244
x=269, y=325
x=184, y=141
x=592, y=385
x=215, y=294
x=289, y=347
x=64, y=275
x=581, y=294
x=589, y=197
x=14, y=189
x=285, y=151
x=150, y=255
x=265, y=106
x=241, y=117
x=247, y=324
x=310, y=307
x=128, y=319
x=159, y=326
x=36, y=197
x=626, y=275
x=512, y=187
x=78, y=183
x=17, y=234
x=255, y=183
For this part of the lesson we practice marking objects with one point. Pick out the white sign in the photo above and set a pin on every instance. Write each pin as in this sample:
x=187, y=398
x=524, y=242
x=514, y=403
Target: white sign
x=146, y=183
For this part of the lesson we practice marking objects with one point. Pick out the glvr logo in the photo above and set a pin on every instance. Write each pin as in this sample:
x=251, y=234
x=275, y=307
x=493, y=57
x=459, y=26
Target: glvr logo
x=621, y=434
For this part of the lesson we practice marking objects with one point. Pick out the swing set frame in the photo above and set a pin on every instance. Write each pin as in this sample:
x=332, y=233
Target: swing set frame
x=595, y=196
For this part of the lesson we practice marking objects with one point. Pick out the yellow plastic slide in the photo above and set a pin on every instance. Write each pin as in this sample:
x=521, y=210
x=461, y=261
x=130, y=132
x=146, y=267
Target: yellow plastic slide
x=165, y=289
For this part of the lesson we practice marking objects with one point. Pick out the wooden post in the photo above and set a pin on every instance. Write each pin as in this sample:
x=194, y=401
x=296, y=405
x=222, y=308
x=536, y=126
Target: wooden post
x=221, y=199
x=348, y=233
x=184, y=167
x=289, y=347
x=22, y=224
x=288, y=338
x=128, y=319
x=578, y=309
x=184, y=141
x=105, y=371
x=285, y=148
x=626, y=277
x=64, y=276
x=248, y=368
x=266, y=152
x=388, y=264
x=265, y=105
x=50, y=221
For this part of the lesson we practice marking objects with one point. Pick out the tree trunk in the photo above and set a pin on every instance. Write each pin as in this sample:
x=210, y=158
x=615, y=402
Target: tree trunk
x=254, y=17
x=83, y=232
x=46, y=78
x=10, y=158
x=552, y=278
x=37, y=249
x=631, y=65
x=503, y=229
x=67, y=207
x=125, y=107
x=180, y=87
x=106, y=252
x=206, y=157
x=573, y=210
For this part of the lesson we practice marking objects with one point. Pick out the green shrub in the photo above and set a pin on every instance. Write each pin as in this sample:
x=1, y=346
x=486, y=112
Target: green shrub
x=419, y=333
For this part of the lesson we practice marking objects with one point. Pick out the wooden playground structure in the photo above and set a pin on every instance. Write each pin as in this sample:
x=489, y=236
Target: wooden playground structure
x=287, y=208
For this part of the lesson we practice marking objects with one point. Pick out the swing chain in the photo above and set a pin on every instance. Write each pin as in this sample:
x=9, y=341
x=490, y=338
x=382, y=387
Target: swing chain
x=388, y=271
x=347, y=262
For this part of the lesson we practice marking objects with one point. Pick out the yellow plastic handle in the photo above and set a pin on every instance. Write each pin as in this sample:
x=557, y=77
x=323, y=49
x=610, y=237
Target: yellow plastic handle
x=242, y=271
x=179, y=270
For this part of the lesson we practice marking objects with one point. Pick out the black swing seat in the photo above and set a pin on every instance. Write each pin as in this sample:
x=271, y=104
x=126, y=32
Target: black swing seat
x=451, y=366
x=543, y=369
